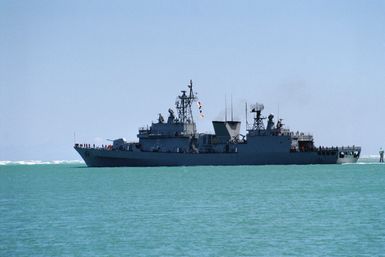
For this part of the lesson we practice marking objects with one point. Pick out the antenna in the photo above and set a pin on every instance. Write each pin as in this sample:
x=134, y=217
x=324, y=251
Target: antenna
x=247, y=123
x=278, y=112
x=190, y=87
x=232, y=108
x=225, y=108
x=258, y=120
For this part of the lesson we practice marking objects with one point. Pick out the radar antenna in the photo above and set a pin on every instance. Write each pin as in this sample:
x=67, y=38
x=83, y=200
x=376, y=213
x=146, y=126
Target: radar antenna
x=258, y=119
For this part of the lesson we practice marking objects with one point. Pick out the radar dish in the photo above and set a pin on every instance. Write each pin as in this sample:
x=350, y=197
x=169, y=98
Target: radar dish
x=257, y=107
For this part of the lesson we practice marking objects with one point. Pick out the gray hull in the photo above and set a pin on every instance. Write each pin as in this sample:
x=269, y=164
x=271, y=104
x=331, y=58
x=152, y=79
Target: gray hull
x=95, y=157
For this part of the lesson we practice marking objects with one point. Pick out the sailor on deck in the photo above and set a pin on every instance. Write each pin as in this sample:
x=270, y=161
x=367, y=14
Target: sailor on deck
x=381, y=155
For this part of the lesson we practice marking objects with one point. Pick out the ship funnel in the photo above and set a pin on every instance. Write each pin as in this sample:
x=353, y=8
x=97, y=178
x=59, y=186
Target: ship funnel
x=226, y=130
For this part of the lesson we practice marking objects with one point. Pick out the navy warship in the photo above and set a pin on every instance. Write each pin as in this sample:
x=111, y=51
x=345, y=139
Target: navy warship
x=176, y=142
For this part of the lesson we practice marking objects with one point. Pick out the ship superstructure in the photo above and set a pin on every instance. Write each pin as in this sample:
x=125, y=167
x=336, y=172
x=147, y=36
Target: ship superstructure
x=175, y=142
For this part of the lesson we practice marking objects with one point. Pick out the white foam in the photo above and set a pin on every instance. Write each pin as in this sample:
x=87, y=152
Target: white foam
x=364, y=163
x=38, y=162
x=370, y=156
x=5, y=162
x=66, y=161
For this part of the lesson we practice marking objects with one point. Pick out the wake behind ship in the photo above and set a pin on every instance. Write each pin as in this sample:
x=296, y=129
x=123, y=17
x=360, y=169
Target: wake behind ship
x=176, y=142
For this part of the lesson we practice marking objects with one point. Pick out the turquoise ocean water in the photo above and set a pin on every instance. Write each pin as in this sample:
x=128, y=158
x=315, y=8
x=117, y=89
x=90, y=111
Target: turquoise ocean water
x=71, y=210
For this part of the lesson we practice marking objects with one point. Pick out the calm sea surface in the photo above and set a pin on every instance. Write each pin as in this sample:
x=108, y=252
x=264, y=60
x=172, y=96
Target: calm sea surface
x=70, y=210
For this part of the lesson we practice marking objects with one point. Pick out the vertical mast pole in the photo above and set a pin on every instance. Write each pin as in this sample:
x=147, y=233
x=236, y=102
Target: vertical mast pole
x=191, y=99
x=247, y=123
x=225, y=108
x=183, y=111
x=232, y=108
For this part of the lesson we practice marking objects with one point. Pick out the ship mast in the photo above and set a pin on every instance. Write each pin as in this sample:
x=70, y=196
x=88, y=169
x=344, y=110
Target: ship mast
x=184, y=103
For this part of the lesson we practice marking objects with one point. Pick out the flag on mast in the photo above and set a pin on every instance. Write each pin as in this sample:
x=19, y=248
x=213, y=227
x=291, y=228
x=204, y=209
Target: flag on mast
x=200, y=105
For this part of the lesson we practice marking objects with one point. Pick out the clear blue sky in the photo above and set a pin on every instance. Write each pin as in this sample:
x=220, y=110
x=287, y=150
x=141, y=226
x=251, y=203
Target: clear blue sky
x=104, y=68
